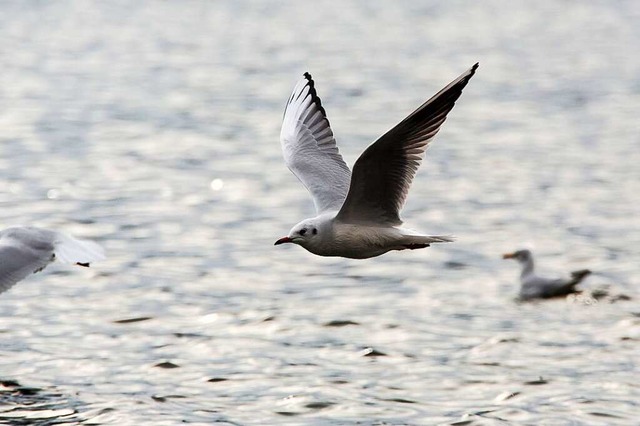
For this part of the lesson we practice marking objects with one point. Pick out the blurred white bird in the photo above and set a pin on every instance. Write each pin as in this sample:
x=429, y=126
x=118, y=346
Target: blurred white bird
x=358, y=214
x=533, y=286
x=26, y=250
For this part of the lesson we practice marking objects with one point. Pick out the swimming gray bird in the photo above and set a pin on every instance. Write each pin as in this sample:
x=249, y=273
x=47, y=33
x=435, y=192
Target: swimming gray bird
x=536, y=287
x=358, y=213
x=25, y=250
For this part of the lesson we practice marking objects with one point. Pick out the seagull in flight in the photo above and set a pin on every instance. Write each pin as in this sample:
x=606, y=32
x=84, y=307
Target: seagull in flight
x=358, y=212
x=533, y=286
x=25, y=250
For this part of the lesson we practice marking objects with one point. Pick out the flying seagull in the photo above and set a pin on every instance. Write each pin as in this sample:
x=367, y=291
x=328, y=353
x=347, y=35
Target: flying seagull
x=358, y=213
x=25, y=250
x=533, y=286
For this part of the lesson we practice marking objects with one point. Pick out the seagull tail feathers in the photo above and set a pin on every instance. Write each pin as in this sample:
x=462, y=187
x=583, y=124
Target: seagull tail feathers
x=441, y=238
x=428, y=239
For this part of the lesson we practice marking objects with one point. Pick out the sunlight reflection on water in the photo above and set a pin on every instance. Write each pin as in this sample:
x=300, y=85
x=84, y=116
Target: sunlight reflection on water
x=153, y=129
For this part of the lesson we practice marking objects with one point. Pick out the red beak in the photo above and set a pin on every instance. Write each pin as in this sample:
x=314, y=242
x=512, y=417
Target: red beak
x=508, y=256
x=283, y=240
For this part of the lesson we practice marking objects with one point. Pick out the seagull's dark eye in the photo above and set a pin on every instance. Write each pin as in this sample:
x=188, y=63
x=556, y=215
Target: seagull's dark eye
x=315, y=231
x=302, y=231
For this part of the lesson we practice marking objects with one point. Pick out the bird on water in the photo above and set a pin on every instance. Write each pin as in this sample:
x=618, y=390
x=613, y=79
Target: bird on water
x=533, y=286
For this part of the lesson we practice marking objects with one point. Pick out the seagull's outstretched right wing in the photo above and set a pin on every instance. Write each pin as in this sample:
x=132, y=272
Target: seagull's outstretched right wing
x=310, y=150
x=384, y=172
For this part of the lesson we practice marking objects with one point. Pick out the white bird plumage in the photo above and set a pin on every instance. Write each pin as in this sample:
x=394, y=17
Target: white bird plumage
x=25, y=250
x=358, y=213
x=533, y=286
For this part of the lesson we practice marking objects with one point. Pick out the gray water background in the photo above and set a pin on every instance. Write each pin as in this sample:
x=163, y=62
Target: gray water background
x=152, y=127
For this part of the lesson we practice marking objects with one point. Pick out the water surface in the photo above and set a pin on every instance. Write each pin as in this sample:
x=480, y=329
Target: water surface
x=152, y=127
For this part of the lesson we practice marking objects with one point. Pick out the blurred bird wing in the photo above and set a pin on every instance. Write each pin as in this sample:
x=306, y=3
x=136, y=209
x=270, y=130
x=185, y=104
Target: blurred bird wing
x=18, y=260
x=535, y=286
x=72, y=250
x=25, y=250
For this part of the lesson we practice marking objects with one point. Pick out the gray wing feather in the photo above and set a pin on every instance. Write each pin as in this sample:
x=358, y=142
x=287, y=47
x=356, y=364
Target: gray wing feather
x=384, y=172
x=310, y=150
x=19, y=259
x=535, y=286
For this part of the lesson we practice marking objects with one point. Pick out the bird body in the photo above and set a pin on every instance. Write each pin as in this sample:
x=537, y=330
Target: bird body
x=358, y=212
x=533, y=286
x=335, y=238
x=25, y=250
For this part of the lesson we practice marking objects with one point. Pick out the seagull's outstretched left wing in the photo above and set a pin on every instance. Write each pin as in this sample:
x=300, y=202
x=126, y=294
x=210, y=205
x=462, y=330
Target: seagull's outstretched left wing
x=384, y=172
x=310, y=150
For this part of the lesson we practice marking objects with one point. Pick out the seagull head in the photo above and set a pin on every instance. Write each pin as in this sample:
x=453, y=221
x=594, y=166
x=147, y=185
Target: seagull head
x=304, y=234
x=522, y=256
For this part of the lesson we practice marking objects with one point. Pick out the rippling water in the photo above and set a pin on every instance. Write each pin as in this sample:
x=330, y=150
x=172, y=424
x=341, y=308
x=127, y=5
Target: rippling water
x=152, y=127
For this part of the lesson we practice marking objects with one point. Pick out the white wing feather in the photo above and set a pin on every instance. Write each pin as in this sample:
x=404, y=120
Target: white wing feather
x=310, y=150
x=72, y=250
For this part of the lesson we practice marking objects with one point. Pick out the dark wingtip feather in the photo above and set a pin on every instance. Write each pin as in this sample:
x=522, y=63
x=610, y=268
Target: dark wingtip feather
x=441, y=103
x=473, y=69
x=85, y=264
x=464, y=78
x=470, y=73
x=314, y=94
